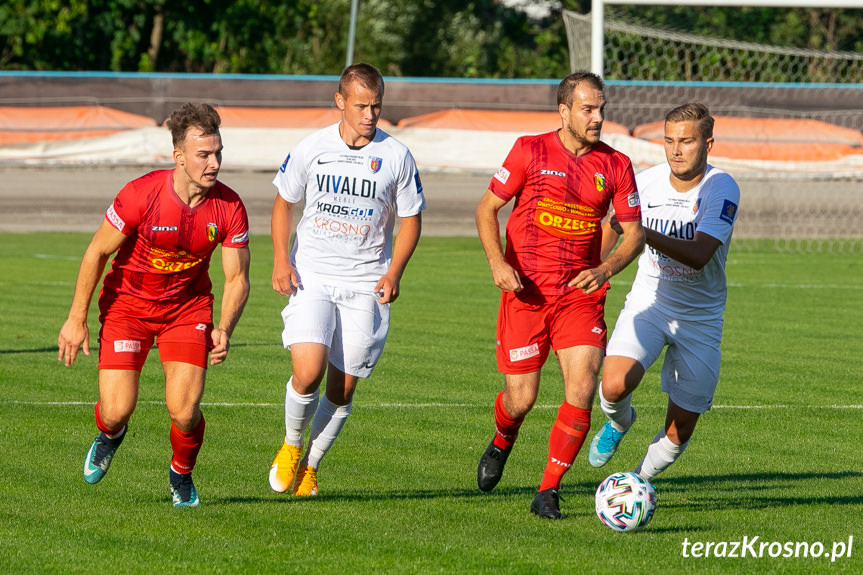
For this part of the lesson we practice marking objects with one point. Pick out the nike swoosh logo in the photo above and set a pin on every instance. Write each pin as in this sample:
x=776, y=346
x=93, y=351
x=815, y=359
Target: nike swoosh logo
x=320, y=161
x=649, y=205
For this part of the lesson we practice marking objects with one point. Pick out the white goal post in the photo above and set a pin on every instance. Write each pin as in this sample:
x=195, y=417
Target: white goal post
x=597, y=34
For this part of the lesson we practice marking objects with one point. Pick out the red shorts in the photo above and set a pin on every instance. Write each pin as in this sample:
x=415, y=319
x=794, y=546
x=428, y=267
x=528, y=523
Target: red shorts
x=528, y=327
x=130, y=325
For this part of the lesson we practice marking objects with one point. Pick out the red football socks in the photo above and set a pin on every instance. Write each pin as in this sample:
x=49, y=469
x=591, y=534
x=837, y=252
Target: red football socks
x=564, y=442
x=186, y=446
x=507, y=427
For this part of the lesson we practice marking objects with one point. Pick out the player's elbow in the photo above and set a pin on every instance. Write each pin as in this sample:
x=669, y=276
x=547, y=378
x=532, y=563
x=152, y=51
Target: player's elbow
x=238, y=285
x=698, y=261
x=703, y=248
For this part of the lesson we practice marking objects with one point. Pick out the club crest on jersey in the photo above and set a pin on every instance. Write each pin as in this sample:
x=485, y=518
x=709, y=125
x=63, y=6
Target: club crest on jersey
x=375, y=164
x=696, y=205
x=729, y=212
x=599, y=181
x=212, y=231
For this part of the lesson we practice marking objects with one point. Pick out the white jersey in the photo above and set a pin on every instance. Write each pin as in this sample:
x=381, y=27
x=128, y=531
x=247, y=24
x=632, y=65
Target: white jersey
x=710, y=208
x=352, y=196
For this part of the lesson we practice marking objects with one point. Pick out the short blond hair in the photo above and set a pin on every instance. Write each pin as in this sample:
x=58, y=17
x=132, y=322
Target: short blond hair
x=365, y=74
x=693, y=112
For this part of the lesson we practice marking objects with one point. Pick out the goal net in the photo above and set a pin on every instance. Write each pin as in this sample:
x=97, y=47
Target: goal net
x=638, y=51
x=788, y=121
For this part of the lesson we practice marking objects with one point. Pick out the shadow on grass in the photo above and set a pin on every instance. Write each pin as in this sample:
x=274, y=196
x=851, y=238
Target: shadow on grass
x=757, y=490
x=699, y=492
x=34, y=350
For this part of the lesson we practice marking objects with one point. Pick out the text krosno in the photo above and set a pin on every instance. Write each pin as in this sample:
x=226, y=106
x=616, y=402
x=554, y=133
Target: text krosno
x=754, y=547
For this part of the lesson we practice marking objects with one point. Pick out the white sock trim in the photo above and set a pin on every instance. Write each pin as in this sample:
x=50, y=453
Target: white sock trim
x=619, y=413
x=326, y=427
x=299, y=410
x=661, y=453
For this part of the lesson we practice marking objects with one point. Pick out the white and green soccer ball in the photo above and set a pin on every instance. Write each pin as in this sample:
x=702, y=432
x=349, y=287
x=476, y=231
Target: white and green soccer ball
x=625, y=501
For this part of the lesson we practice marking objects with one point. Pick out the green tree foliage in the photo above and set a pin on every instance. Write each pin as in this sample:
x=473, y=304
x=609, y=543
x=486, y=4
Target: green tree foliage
x=403, y=37
x=422, y=38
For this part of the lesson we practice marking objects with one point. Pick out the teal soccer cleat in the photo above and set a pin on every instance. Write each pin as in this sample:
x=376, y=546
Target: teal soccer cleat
x=100, y=455
x=183, y=492
x=604, y=444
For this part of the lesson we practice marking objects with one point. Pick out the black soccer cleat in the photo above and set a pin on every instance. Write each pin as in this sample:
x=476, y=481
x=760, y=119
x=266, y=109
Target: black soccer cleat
x=183, y=492
x=546, y=504
x=490, y=468
x=100, y=455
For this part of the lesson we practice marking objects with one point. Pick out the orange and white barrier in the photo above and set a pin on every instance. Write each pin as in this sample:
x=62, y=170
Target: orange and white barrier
x=468, y=140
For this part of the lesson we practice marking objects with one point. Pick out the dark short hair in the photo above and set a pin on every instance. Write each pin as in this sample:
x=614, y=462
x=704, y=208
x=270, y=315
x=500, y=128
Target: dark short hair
x=367, y=75
x=567, y=85
x=693, y=112
x=201, y=116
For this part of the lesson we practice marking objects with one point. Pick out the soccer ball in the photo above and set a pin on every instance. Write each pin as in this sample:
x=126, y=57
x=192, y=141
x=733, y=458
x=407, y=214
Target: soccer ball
x=625, y=501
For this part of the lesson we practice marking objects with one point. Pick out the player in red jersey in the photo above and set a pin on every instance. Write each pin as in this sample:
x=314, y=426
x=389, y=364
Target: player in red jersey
x=163, y=227
x=552, y=276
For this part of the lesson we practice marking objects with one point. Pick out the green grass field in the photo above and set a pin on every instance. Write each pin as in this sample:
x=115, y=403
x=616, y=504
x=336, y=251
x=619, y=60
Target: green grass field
x=778, y=458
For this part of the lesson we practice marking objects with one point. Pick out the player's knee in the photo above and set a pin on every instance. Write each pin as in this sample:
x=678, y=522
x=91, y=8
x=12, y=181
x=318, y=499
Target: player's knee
x=340, y=395
x=518, y=404
x=304, y=385
x=115, y=420
x=620, y=377
x=114, y=415
x=184, y=423
x=185, y=418
x=613, y=389
x=679, y=432
x=306, y=379
x=581, y=394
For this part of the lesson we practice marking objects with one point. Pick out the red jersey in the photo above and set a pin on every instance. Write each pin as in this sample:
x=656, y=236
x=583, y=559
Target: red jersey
x=554, y=230
x=167, y=255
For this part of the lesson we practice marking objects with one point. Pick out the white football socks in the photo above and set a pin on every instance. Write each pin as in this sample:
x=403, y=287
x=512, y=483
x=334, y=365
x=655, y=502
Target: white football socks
x=299, y=410
x=661, y=453
x=618, y=413
x=328, y=423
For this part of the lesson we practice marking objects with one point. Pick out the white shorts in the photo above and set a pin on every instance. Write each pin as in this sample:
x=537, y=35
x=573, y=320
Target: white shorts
x=690, y=371
x=352, y=324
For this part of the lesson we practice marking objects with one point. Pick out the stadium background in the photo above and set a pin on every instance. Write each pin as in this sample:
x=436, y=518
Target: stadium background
x=787, y=349
x=72, y=140
x=630, y=102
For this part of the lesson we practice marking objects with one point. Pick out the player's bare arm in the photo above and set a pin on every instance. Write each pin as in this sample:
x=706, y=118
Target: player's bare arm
x=611, y=232
x=630, y=247
x=488, y=228
x=285, y=278
x=75, y=332
x=405, y=243
x=694, y=253
x=235, y=263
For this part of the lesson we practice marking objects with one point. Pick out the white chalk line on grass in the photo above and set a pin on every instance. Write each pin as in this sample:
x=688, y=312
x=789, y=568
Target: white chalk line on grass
x=401, y=405
x=795, y=286
x=56, y=257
